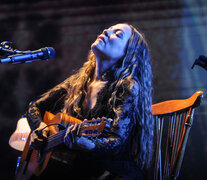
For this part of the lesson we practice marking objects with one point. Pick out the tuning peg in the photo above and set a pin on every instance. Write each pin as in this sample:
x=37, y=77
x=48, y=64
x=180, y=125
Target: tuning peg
x=108, y=122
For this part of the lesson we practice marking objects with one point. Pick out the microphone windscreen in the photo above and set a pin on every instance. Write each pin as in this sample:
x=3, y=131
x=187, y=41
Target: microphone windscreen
x=48, y=52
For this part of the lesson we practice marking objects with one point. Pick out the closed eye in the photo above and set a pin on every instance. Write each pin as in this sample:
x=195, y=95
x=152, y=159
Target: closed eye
x=119, y=34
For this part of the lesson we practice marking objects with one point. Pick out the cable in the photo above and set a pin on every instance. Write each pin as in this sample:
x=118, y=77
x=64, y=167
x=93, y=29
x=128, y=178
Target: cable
x=39, y=132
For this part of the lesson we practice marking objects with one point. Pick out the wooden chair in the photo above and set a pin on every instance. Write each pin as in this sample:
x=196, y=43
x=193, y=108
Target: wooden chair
x=173, y=121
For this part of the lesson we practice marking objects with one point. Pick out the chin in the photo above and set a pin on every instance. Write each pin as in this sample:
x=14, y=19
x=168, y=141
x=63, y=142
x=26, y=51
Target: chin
x=93, y=46
x=96, y=48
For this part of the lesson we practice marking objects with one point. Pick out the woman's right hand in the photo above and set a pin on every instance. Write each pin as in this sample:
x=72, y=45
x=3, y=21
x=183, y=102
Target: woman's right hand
x=39, y=136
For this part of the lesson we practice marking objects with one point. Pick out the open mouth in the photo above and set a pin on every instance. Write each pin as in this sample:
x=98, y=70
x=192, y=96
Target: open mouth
x=101, y=38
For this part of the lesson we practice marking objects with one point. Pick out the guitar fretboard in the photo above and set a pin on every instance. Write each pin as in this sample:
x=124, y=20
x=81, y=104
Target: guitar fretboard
x=55, y=140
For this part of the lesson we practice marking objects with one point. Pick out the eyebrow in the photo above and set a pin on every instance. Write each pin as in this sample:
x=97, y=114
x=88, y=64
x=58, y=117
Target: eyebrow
x=119, y=30
x=111, y=28
x=115, y=30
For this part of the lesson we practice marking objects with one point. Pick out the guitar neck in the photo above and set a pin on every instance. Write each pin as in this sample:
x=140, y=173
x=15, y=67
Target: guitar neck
x=55, y=140
x=87, y=128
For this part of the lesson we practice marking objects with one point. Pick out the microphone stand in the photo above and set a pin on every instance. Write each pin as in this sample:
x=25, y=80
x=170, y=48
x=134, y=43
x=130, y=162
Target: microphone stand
x=16, y=56
x=201, y=61
x=6, y=49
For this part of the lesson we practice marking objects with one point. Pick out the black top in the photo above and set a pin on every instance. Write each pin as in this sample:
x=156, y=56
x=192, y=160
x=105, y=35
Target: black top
x=111, y=148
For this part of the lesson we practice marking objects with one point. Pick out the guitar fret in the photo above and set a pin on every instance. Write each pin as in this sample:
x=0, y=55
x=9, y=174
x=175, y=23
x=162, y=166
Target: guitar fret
x=55, y=140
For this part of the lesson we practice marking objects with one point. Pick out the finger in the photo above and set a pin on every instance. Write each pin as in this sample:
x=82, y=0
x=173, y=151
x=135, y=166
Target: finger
x=42, y=130
x=69, y=129
x=35, y=142
x=45, y=132
x=67, y=140
x=74, y=128
x=72, y=134
x=33, y=136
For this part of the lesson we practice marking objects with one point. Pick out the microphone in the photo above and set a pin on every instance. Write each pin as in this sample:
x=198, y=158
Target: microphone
x=30, y=56
x=201, y=61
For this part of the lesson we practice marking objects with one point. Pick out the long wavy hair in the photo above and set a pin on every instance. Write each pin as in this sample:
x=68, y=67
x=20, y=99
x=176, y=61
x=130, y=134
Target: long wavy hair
x=135, y=70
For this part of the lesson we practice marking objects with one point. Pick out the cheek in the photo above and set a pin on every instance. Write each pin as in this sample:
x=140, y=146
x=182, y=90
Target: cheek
x=117, y=48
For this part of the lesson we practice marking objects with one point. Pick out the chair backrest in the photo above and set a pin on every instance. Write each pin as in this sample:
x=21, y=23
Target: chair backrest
x=173, y=121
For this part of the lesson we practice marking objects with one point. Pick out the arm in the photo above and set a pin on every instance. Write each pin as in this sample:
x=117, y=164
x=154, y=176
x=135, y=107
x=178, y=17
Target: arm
x=111, y=143
x=49, y=102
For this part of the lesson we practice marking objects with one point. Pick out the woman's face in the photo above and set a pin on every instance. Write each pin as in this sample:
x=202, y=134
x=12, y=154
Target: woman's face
x=112, y=43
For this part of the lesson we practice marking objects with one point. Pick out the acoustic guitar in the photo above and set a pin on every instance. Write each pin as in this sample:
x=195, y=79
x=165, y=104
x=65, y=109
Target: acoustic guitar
x=33, y=161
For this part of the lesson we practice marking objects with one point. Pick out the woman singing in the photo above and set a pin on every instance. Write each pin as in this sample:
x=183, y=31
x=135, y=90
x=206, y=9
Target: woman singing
x=115, y=83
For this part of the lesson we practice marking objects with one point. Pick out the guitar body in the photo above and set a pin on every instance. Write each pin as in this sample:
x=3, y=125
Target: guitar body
x=33, y=162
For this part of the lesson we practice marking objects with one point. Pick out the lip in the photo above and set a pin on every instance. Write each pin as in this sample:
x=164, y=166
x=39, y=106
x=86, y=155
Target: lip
x=101, y=38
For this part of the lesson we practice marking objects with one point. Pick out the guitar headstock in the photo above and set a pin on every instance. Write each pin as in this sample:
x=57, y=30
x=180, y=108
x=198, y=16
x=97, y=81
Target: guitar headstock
x=94, y=127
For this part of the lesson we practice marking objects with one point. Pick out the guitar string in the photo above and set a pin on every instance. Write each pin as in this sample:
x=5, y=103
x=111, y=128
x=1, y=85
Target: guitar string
x=52, y=143
x=54, y=136
x=59, y=135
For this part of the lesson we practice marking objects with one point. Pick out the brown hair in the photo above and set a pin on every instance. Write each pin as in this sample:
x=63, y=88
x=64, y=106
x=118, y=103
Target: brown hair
x=135, y=71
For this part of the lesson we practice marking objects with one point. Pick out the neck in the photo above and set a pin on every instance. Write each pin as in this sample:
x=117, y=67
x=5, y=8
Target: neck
x=101, y=67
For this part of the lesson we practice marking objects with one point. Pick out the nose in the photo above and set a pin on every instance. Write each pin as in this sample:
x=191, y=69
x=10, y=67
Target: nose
x=107, y=32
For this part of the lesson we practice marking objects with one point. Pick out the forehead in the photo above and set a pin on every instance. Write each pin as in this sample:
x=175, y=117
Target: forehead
x=124, y=27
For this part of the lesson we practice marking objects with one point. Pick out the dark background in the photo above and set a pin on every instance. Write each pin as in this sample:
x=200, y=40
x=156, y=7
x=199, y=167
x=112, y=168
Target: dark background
x=175, y=30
